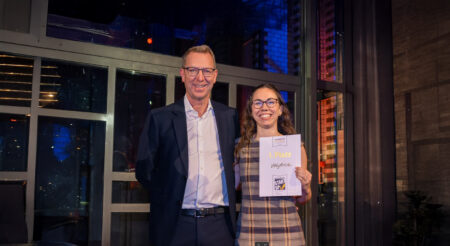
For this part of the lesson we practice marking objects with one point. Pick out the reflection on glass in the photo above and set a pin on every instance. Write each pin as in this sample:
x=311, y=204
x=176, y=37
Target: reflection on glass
x=330, y=122
x=69, y=181
x=128, y=192
x=330, y=42
x=129, y=229
x=13, y=142
x=261, y=34
x=219, y=92
x=73, y=86
x=136, y=94
x=16, y=74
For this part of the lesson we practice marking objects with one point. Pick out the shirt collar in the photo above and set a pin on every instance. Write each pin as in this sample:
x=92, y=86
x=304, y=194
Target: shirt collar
x=189, y=109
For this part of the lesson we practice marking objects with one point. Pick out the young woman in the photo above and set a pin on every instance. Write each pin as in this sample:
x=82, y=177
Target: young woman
x=273, y=220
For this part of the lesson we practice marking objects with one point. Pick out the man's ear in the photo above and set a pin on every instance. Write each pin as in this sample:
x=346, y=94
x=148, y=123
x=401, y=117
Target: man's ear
x=182, y=74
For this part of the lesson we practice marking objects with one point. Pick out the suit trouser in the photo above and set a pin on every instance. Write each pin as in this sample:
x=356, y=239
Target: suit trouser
x=203, y=231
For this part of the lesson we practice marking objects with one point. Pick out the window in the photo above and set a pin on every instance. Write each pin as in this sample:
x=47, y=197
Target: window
x=129, y=229
x=330, y=42
x=136, y=95
x=256, y=34
x=13, y=142
x=69, y=181
x=73, y=86
x=331, y=175
x=16, y=73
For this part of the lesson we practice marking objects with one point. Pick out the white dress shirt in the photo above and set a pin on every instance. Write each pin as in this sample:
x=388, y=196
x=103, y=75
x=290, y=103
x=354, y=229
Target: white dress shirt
x=206, y=185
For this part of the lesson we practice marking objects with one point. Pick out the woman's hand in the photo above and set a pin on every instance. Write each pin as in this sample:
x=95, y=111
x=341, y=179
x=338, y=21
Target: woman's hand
x=303, y=175
x=305, y=178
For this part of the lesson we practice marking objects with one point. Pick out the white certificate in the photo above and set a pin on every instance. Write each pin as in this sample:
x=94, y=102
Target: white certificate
x=278, y=157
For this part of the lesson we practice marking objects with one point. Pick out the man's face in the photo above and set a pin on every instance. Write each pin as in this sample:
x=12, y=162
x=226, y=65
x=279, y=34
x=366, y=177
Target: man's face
x=199, y=86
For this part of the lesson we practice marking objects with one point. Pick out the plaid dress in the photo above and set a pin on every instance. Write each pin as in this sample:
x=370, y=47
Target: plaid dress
x=264, y=219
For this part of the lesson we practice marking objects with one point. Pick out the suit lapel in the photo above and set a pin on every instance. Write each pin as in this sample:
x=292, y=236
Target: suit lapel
x=221, y=123
x=180, y=127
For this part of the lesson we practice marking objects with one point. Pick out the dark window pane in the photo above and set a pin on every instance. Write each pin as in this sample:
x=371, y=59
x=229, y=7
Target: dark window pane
x=263, y=34
x=12, y=213
x=289, y=97
x=180, y=90
x=129, y=229
x=69, y=181
x=129, y=192
x=73, y=86
x=136, y=94
x=243, y=94
x=13, y=142
x=218, y=94
x=16, y=73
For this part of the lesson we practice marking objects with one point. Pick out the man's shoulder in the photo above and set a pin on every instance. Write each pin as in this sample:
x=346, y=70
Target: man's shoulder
x=168, y=109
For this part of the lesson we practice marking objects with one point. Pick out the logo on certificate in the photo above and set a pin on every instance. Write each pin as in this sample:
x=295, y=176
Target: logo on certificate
x=279, y=141
x=279, y=184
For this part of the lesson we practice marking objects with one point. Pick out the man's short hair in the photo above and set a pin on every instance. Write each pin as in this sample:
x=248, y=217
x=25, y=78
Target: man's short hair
x=198, y=49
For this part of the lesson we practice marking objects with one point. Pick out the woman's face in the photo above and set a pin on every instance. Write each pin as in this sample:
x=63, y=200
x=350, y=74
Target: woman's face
x=266, y=108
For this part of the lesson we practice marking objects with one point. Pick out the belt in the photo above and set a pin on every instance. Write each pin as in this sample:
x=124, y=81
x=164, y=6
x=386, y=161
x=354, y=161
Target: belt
x=202, y=212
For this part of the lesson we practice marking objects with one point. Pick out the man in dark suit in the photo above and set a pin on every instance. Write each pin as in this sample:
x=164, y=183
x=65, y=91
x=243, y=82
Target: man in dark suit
x=185, y=161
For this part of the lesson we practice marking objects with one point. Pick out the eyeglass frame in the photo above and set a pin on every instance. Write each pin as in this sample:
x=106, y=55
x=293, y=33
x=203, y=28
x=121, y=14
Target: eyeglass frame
x=197, y=69
x=275, y=101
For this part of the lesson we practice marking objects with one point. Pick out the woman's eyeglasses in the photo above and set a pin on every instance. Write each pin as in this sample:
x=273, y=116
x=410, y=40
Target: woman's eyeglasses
x=271, y=102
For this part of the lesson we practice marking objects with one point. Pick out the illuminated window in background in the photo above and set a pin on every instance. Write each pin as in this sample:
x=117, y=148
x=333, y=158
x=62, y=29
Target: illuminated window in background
x=69, y=181
x=330, y=43
x=136, y=94
x=13, y=142
x=263, y=34
x=73, y=86
x=330, y=122
x=16, y=74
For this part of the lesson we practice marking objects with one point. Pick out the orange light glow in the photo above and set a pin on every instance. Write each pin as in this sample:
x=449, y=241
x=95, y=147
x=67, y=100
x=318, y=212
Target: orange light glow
x=149, y=40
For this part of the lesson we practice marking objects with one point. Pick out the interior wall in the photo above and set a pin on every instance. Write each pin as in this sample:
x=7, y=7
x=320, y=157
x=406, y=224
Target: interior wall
x=421, y=47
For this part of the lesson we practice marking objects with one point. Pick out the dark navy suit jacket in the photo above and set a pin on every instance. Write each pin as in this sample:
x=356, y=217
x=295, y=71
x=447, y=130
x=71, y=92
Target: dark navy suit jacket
x=162, y=165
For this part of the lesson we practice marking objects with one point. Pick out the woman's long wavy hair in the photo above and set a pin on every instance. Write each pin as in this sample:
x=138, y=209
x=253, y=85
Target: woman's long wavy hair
x=248, y=124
